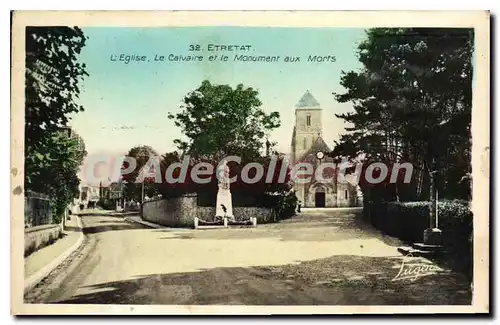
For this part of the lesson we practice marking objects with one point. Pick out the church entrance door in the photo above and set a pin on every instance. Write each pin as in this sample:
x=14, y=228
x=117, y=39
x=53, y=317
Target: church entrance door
x=319, y=199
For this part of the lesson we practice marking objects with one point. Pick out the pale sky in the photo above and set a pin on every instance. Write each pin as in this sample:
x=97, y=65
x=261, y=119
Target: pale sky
x=127, y=104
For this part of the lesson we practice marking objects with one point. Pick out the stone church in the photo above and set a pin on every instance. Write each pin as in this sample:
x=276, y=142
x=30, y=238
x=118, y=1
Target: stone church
x=307, y=142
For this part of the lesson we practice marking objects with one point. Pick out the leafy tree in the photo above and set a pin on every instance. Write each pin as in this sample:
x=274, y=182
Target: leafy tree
x=56, y=174
x=219, y=121
x=133, y=188
x=53, y=74
x=412, y=102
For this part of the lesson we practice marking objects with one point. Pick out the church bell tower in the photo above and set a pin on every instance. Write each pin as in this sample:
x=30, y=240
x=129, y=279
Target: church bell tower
x=308, y=125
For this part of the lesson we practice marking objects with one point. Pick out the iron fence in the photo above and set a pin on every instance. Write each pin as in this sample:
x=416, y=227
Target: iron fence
x=37, y=210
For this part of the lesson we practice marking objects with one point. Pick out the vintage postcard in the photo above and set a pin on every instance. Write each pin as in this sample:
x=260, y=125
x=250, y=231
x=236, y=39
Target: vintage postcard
x=250, y=162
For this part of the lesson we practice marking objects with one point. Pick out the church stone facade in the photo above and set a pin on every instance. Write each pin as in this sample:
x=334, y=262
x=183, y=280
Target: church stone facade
x=307, y=141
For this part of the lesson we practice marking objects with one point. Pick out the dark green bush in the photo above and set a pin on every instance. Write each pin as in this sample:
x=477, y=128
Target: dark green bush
x=408, y=220
x=455, y=219
x=106, y=204
x=285, y=206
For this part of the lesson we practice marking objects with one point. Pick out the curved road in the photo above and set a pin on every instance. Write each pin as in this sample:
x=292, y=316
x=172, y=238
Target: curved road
x=324, y=259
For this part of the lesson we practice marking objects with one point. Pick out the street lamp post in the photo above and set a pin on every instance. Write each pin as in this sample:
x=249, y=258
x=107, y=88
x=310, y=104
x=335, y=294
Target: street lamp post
x=320, y=155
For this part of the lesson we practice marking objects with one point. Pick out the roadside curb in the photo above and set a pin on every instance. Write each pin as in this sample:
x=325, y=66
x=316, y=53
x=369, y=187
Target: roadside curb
x=144, y=223
x=36, y=278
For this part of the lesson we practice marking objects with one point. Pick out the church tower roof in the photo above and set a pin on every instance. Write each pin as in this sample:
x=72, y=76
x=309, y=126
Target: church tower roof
x=318, y=145
x=307, y=101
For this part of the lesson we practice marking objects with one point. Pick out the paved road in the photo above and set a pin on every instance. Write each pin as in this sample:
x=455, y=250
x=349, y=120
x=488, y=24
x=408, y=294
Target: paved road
x=322, y=258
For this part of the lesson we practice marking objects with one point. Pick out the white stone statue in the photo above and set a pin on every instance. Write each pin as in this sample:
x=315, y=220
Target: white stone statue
x=224, y=205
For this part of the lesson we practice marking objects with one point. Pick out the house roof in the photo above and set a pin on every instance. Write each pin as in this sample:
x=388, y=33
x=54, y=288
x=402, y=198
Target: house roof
x=318, y=145
x=307, y=101
x=116, y=186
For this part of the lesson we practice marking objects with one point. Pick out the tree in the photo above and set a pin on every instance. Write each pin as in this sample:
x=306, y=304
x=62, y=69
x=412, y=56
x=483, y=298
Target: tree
x=56, y=172
x=220, y=121
x=133, y=188
x=53, y=74
x=412, y=102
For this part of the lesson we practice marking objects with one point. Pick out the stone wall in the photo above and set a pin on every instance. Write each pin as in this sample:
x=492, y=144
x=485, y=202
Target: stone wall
x=40, y=236
x=171, y=212
x=180, y=212
x=263, y=215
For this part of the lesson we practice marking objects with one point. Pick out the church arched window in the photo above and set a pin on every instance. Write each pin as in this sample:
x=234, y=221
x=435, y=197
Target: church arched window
x=345, y=193
x=308, y=120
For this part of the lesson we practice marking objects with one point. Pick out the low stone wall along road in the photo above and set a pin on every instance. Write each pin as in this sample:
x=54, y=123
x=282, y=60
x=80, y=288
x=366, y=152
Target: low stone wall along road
x=321, y=257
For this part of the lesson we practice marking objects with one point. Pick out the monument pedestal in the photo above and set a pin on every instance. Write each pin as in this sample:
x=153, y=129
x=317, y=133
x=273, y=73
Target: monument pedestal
x=254, y=221
x=224, y=216
x=224, y=199
x=224, y=203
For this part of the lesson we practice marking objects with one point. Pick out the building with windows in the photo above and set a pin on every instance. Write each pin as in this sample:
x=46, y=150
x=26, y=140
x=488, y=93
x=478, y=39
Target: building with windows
x=308, y=148
x=89, y=196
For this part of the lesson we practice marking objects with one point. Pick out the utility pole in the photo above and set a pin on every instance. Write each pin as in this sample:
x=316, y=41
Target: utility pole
x=142, y=192
x=142, y=198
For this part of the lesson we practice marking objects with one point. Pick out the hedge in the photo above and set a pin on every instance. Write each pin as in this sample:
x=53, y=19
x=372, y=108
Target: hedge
x=408, y=220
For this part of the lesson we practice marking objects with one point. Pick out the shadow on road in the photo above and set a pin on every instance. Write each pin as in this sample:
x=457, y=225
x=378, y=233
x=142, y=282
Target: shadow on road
x=107, y=221
x=71, y=228
x=337, y=280
x=93, y=214
x=111, y=227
